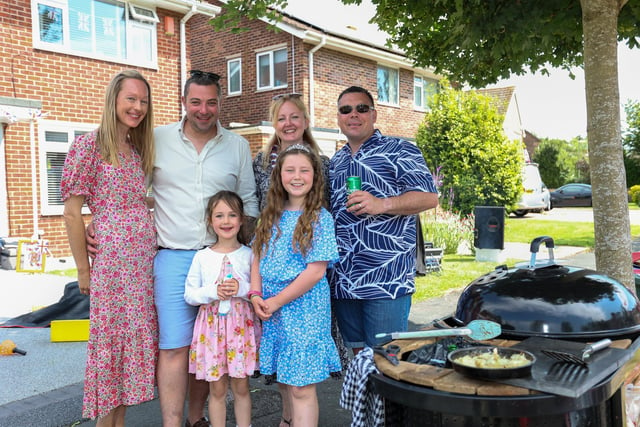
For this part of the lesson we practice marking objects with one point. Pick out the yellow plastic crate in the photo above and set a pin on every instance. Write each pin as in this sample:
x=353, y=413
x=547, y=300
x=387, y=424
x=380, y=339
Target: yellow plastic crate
x=69, y=330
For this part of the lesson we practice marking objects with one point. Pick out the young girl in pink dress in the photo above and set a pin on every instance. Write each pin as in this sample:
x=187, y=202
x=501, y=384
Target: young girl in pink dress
x=226, y=333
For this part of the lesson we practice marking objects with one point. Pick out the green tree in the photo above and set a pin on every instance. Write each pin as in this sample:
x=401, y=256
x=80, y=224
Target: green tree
x=631, y=143
x=632, y=135
x=562, y=161
x=554, y=173
x=462, y=134
x=576, y=156
x=479, y=42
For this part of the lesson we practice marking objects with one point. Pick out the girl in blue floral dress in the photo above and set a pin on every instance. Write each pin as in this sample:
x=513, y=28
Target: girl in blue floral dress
x=294, y=244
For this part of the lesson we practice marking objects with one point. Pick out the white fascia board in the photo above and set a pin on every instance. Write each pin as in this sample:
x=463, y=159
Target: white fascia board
x=183, y=6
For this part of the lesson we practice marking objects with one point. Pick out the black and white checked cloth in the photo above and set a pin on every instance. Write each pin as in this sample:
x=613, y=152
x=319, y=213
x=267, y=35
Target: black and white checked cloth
x=367, y=407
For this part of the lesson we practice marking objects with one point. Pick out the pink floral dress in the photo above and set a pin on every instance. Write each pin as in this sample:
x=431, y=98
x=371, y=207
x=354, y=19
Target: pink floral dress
x=222, y=344
x=123, y=343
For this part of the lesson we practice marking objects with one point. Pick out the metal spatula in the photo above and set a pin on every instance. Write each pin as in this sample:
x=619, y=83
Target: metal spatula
x=476, y=329
x=581, y=357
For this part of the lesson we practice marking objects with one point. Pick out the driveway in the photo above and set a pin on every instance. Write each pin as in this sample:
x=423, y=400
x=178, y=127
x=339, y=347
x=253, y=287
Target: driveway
x=574, y=215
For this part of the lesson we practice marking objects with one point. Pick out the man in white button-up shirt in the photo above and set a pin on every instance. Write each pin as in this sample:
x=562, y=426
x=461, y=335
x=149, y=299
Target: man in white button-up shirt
x=195, y=158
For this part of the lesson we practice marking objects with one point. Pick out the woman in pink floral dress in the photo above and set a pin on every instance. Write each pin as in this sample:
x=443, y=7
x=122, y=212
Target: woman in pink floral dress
x=106, y=169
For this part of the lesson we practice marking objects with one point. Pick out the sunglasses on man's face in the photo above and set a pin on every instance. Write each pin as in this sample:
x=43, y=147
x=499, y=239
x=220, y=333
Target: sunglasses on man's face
x=211, y=76
x=360, y=108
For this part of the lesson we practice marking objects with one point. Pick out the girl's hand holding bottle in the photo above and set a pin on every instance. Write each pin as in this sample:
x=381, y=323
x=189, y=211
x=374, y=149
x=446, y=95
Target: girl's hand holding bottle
x=228, y=288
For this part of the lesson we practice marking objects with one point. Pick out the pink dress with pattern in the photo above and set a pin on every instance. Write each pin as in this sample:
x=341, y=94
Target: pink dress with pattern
x=222, y=344
x=123, y=343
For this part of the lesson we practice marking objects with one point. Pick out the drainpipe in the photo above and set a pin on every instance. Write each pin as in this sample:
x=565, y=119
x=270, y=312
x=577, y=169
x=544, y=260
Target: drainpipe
x=312, y=106
x=183, y=46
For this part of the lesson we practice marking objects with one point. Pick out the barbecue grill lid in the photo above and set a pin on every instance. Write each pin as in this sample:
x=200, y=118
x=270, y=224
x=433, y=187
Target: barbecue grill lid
x=553, y=301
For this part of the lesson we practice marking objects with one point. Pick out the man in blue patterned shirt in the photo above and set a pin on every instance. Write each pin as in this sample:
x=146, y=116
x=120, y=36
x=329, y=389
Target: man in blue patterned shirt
x=375, y=227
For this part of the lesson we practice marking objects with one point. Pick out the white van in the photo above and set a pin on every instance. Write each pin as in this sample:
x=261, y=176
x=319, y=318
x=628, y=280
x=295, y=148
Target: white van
x=535, y=195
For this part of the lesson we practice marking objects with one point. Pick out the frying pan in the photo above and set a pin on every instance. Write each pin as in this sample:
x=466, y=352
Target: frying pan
x=491, y=373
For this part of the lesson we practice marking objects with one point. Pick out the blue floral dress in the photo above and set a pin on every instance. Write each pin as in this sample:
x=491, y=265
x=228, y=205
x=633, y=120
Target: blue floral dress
x=296, y=340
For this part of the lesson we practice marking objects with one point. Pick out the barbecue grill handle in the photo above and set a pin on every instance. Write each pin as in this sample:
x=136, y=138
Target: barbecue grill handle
x=535, y=243
x=535, y=246
x=426, y=334
x=596, y=346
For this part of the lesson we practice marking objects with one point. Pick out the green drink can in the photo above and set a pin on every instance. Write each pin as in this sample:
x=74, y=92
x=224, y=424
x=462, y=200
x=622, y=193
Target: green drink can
x=354, y=183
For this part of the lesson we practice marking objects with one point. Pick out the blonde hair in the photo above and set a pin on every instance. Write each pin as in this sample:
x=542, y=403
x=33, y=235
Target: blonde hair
x=274, y=109
x=276, y=198
x=141, y=137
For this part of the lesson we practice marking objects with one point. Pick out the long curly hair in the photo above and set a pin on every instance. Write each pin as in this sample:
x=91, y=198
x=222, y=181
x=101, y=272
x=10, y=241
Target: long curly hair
x=141, y=137
x=276, y=198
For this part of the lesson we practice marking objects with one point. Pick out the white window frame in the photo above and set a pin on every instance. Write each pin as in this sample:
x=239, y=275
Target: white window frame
x=134, y=26
x=272, y=78
x=421, y=86
x=71, y=129
x=391, y=98
x=143, y=14
x=229, y=76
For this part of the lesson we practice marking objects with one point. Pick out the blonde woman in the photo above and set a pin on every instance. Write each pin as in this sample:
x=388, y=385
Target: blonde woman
x=107, y=170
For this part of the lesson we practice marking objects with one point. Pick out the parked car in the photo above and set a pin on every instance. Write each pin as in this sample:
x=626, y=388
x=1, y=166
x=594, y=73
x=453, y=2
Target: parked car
x=571, y=195
x=535, y=195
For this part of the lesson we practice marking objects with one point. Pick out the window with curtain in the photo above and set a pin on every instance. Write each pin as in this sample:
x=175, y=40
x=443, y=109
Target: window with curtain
x=98, y=29
x=388, y=85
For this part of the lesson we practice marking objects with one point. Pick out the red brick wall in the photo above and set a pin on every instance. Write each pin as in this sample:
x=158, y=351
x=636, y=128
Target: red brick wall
x=333, y=72
x=70, y=88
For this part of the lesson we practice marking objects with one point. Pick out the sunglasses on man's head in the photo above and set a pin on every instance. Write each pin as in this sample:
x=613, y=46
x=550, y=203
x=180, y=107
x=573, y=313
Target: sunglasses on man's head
x=360, y=108
x=287, y=96
x=211, y=76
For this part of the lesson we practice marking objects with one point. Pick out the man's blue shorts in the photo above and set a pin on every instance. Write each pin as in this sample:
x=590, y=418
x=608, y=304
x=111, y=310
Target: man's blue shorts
x=175, y=316
x=360, y=320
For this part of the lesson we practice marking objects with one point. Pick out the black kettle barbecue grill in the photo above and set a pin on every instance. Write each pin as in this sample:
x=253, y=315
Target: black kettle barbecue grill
x=550, y=300
x=536, y=303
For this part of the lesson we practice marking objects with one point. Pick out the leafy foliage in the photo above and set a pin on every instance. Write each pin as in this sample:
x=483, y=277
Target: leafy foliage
x=547, y=156
x=462, y=134
x=471, y=41
x=634, y=194
x=631, y=142
x=562, y=161
x=233, y=12
x=479, y=42
x=631, y=138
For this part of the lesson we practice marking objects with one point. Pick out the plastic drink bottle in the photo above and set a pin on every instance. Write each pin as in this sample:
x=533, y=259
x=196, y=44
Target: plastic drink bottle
x=225, y=305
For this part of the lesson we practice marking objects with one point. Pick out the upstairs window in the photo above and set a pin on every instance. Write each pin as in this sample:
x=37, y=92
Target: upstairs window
x=234, y=76
x=388, y=84
x=272, y=69
x=99, y=29
x=423, y=89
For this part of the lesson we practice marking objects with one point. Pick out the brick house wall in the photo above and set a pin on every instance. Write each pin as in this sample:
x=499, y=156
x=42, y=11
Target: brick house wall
x=333, y=72
x=70, y=88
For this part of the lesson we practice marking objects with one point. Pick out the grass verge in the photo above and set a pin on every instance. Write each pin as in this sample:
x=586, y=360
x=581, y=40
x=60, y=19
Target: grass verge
x=460, y=270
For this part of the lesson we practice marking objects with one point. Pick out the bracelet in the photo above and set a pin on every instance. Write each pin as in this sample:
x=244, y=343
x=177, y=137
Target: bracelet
x=252, y=294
